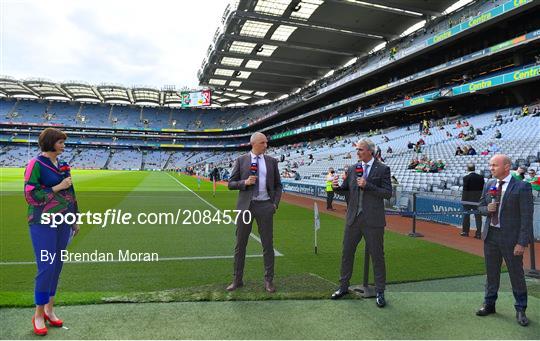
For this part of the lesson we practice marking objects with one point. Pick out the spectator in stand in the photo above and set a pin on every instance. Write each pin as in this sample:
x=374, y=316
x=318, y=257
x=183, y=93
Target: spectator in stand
x=469, y=137
x=348, y=156
x=410, y=145
x=459, y=151
x=448, y=134
x=461, y=134
x=389, y=150
x=498, y=134
x=414, y=162
x=534, y=180
x=498, y=118
x=465, y=150
x=418, y=148
x=525, y=110
x=421, y=141
x=378, y=153
x=471, y=151
x=440, y=165
x=433, y=167
x=479, y=131
x=519, y=174
x=536, y=112
x=422, y=167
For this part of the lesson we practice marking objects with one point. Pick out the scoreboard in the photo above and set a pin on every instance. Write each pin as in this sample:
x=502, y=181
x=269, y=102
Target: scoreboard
x=196, y=99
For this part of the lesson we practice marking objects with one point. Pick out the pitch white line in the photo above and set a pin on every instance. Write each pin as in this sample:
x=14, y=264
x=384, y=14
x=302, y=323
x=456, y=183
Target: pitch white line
x=277, y=253
x=119, y=261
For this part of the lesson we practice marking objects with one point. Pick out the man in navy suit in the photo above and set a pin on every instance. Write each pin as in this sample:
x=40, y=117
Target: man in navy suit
x=508, y=205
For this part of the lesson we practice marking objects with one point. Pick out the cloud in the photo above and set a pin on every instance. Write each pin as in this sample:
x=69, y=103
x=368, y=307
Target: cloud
x=161, y=42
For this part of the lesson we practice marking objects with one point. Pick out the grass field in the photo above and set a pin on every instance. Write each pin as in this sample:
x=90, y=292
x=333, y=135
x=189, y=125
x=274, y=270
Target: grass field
x=191, y=255
x=196, y=264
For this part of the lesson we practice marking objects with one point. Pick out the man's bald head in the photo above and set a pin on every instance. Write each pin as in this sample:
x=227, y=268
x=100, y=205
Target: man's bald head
x=499, y=166
x=259, y=143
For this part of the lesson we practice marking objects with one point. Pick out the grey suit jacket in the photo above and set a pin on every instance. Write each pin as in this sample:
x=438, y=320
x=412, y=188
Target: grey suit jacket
x=378, y=188
x=241, y=172
x=516, y=218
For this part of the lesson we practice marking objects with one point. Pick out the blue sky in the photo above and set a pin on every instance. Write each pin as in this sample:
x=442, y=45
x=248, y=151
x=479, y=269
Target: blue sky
x=158, y=42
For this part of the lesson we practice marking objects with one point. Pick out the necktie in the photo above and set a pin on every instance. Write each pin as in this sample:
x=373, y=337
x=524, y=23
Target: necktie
x=495, y=217
x=256, y=189
x=361, y=191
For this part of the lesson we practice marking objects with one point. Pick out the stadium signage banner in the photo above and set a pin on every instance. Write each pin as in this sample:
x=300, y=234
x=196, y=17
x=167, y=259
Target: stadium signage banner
x=437, y=207
x=505, y=78
x=311, y=190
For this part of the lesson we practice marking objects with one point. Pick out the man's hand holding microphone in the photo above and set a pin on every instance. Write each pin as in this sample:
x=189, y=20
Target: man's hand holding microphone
x=251, y=180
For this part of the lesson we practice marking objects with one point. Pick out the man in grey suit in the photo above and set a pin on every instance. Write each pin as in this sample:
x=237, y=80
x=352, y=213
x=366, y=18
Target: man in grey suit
x=257, y=178
x=508, y=205
x=368, y=184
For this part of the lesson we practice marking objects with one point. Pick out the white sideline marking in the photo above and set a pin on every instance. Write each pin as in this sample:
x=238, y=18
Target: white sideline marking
x=277, y=253
x=118, y=261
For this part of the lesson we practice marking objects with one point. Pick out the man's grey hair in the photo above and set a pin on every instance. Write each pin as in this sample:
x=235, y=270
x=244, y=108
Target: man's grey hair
x=255, y=136
x=370, y=144
x=470, y=167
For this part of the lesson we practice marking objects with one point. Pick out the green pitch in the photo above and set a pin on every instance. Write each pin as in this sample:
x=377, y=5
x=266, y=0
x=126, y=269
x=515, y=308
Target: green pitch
x=196, y=255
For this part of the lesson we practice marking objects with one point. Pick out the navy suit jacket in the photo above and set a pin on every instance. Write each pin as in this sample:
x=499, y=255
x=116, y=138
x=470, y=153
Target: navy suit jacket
x=516, y=218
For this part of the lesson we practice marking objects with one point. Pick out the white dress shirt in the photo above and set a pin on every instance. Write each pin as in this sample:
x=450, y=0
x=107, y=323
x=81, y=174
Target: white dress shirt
x=367, y=169
x=261, y=174
x=503, y=191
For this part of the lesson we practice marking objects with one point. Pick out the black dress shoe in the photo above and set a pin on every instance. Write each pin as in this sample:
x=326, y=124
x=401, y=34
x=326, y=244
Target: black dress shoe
x=379, y=300
x=339, y=294
x=521, y=318
x=464, y=234
x=486, y=310
x=477, y=236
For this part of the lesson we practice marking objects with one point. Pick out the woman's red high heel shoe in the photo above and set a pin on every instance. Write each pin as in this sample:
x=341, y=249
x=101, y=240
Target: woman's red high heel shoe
x=38, y=331
x=57, y=323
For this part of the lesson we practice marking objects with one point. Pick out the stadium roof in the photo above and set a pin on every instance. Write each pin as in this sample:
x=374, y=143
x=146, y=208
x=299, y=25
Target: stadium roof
x=81, y=91
x=273, y=47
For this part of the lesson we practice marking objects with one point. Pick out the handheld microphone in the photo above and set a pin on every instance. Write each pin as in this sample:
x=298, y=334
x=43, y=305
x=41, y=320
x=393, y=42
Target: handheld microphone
x=253, y=169
x=493, y=192
x=65, y=169
x=359, y=170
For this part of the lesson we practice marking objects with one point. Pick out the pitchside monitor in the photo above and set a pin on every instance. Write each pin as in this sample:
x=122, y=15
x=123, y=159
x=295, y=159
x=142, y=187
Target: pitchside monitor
x=196, y=99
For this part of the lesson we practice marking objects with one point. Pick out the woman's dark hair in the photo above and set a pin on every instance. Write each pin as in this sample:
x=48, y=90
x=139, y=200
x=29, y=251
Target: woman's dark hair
x=49, y=137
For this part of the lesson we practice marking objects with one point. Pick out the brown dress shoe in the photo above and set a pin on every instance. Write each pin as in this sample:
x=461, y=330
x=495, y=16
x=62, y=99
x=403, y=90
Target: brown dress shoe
x=235, y=285
x=269, y=286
